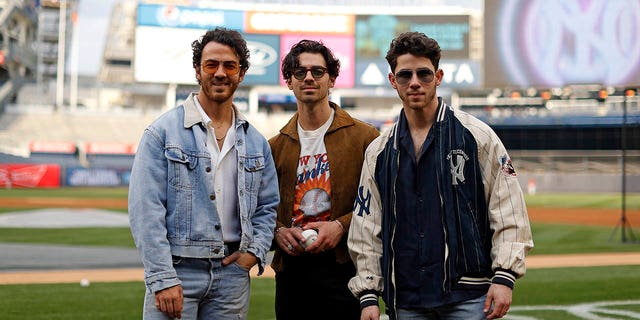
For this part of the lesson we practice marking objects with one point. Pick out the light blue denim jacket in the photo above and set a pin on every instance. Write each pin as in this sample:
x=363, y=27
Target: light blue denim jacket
x=172, y=207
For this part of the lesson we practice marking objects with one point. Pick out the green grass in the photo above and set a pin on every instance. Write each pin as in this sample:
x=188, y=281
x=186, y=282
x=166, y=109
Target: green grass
x=564, y=239
x=105, y=301
x=12, y=210
x=557, y=200
x=71, y=301
x=583, y=200
x=548, y=238
x=571, y=286
x=563, y=286
x=577, y=285
x=110, y=237
x=66, y=192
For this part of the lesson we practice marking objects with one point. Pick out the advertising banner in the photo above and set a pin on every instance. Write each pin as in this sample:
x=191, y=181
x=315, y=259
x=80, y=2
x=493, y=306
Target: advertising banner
x=457, y=73
x=341, y=46
x=163, y=38
x=110, y=148
x=264, y=59
x=95, y=177
x=375, y=32
x=558, y=43
x=20, y=175
x=52, y=146
x=300, y=23
x=188, y=17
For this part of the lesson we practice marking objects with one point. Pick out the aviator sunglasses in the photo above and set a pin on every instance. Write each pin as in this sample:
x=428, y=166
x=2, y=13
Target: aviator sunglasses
x=316, y=72
x=425, y=75
x=229, y=67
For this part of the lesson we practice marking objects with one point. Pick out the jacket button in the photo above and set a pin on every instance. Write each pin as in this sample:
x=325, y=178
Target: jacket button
x=217, y=226
x=208, y=169
x=216, y=250
x=212, y=196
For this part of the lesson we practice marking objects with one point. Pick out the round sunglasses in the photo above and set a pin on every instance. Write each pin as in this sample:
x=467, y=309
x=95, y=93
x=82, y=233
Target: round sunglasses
x=229, y=67
x=316, y=72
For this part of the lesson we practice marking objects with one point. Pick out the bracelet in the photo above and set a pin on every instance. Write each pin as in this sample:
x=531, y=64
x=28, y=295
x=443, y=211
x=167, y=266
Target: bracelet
x=340, y=224
x=278, y=230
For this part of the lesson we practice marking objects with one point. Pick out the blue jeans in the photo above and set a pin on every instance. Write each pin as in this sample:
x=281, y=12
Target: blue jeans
x=211, y=291
x=467, y=310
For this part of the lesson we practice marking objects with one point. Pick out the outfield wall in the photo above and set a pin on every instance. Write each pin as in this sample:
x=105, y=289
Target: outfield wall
x=576, y=182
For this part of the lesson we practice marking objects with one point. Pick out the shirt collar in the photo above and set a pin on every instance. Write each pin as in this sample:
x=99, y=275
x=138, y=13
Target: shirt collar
x=193, y=116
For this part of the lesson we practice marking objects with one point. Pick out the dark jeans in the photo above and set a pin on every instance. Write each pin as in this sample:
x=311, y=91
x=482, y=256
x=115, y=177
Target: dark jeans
x=315, y=287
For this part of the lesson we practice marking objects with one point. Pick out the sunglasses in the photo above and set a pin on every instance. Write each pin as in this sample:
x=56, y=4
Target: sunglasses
x=316, y=72
x=229, y=67
x=425, y=75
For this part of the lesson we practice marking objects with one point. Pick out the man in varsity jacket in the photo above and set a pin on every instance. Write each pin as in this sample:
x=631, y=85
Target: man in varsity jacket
x=440, y=228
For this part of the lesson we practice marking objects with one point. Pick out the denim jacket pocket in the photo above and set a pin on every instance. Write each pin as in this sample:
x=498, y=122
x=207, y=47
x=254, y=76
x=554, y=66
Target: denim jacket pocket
x=181, y=168
x=253, y=167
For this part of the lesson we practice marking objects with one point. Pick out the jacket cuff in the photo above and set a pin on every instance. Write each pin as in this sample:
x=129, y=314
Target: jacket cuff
x=504, y=277
x=157, y=283
x=261, y=260
x=368, y=298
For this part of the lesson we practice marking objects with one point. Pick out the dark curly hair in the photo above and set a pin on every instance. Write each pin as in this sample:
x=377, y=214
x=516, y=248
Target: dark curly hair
x=290, y=61
x=415, y=43
x=231, y=38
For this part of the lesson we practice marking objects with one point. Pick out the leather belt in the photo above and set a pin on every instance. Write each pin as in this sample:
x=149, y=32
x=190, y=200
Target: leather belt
x=231, y=247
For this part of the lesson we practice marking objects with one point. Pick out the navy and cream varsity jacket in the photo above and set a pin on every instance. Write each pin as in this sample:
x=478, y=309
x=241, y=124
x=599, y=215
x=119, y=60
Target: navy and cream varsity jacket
x=486, y=226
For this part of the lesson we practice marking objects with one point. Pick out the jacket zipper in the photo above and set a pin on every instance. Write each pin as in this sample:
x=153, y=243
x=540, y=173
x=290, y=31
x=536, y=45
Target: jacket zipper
x=393, y=234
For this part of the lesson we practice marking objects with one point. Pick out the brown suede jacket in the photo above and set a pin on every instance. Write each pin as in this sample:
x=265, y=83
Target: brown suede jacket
x=346, y=140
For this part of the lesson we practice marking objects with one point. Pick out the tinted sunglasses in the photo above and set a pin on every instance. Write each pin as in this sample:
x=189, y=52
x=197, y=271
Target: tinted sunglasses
x=316, y=72
x=425, y=75
x=229, y=67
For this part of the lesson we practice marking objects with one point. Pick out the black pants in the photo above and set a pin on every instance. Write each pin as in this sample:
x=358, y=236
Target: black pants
x=315, y=287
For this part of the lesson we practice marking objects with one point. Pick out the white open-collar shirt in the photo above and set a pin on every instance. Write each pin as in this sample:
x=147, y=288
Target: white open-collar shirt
x=225, y=177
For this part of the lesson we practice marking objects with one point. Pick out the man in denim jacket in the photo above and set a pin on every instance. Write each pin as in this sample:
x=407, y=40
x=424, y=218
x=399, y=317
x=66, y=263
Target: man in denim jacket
x=203, y=194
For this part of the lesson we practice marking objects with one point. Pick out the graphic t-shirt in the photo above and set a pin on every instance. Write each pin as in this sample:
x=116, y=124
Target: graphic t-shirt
x=313, y=190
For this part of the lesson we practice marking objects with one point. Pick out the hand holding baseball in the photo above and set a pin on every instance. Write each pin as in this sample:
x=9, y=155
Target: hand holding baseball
x=310, y=237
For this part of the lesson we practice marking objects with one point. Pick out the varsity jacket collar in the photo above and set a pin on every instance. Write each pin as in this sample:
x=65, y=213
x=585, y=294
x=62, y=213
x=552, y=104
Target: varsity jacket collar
x=395, y=131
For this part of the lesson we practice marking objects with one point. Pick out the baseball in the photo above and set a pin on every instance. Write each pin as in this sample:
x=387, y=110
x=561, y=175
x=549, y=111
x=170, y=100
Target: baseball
x=310, y=236
x=85, y=283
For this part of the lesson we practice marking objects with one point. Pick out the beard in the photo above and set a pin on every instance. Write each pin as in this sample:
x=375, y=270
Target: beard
x=219, y=91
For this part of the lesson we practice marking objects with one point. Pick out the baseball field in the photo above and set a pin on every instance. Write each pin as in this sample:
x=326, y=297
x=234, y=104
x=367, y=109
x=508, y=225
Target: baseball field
x=579, y=269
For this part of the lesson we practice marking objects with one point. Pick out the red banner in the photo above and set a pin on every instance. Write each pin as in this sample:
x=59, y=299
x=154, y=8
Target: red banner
x=52, y=146
x=110, y=148
x=29, y=175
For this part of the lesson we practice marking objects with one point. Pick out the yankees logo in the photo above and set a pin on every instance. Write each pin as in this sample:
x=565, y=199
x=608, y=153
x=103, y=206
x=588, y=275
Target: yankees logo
x=584, y=41
x=362, y=202
x=457, y=165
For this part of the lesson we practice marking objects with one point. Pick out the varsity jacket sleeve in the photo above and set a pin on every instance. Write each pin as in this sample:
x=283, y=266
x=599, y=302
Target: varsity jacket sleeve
x=507, y=211
x=364, y=241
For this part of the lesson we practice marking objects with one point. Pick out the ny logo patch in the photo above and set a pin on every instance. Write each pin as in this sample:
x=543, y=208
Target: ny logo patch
x=457, y=159
x=362, y=202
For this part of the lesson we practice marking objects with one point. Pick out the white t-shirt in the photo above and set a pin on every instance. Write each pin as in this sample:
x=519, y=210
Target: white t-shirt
x=225, y=177
x=313, y=190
